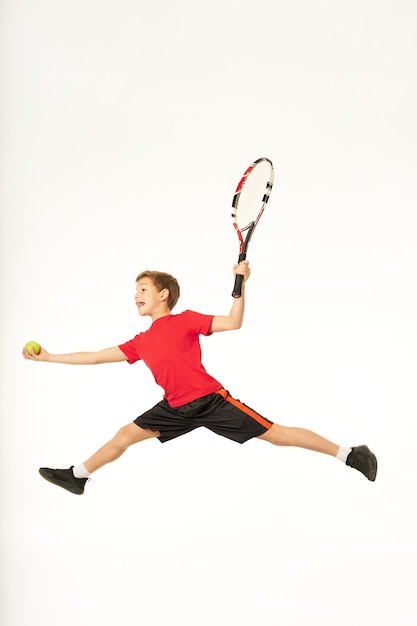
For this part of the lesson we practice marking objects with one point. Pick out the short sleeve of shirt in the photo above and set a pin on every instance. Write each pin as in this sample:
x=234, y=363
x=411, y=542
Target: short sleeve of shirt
x=129, y=349
x=199, y=322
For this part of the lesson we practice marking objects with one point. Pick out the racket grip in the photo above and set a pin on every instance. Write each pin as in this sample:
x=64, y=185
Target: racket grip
x=237, y=289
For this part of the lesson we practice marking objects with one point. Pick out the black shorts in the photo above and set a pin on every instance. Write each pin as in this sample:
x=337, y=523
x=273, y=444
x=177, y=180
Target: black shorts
x=218, y=412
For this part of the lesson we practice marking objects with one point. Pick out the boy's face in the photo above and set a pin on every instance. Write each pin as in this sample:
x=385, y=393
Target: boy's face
x=148, y=299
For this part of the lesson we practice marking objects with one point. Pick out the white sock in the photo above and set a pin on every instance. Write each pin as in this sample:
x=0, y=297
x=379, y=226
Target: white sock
x=80, y=472
x=343, y=454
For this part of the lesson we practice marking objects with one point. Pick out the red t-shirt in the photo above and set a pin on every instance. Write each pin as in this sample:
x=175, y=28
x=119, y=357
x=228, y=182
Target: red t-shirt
x=171, y=349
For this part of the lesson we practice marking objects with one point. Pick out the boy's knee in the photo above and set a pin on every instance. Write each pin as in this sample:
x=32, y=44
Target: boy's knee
x=277, y=435
x=130, y=434
x=124, y=437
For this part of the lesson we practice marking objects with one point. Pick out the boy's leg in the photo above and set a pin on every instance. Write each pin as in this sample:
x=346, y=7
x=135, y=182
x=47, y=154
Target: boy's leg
x=112, y=450
x=360, y=457
x=300, y=438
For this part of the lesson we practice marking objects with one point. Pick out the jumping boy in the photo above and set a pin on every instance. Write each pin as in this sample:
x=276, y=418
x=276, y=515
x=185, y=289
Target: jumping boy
x=192, y=398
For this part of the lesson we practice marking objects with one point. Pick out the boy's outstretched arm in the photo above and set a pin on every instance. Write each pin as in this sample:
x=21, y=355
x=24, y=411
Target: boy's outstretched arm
x=234, y=320
x=108, y=355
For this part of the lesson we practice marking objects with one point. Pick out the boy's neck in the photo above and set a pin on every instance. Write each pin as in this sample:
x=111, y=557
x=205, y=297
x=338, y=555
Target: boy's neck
x=157, y=316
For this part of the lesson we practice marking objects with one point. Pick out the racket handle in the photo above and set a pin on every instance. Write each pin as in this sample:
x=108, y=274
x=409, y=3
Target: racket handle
x=237, y=289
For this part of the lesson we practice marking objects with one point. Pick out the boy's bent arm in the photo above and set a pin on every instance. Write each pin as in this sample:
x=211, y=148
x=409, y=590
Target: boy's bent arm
x=234, y=320
x=108, y=355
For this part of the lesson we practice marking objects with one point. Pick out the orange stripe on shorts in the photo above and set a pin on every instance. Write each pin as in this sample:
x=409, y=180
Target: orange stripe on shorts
x=239, y=405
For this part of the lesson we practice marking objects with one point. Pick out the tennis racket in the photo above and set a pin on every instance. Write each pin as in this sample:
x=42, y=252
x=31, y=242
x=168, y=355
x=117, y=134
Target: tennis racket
x=249, y=201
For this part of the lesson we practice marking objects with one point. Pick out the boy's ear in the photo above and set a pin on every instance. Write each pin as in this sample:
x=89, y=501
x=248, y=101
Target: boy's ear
x=164, y=294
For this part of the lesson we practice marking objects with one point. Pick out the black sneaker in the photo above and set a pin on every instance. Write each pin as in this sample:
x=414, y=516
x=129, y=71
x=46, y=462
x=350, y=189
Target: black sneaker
x=363, y=460
x=64, y=478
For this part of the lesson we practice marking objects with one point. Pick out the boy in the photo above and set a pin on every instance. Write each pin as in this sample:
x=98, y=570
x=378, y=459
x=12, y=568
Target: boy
x=192, y=398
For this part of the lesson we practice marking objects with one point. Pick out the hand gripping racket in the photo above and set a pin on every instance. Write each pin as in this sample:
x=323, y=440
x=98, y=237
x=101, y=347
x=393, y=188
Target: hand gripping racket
x=249, y=201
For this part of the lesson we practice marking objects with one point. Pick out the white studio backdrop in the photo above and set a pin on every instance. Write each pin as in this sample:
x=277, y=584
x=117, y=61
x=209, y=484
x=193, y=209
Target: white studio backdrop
x=125, y=127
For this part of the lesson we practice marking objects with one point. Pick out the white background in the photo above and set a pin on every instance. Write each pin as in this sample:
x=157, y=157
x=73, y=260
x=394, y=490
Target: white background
x=125, y=127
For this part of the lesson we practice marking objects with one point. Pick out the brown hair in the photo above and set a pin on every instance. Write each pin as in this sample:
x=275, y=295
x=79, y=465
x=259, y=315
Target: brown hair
x=161, y=280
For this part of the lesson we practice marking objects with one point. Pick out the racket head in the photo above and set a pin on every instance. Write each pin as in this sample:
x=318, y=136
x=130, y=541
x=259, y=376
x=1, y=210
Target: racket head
x=252, y=194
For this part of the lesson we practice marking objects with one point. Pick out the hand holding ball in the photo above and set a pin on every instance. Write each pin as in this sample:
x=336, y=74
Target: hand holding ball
x=32, y=347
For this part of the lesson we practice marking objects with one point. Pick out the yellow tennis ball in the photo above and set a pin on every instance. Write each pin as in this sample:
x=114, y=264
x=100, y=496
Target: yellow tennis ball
x=33, y=347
